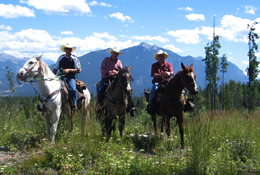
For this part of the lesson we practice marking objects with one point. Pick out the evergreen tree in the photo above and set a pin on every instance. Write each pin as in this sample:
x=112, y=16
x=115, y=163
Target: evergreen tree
x=212, y=66
x=223, y=69
x=10, y=77
x=253, y=64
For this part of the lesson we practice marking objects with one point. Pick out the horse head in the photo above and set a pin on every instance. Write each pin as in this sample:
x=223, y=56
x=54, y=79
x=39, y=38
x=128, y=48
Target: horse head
x=125, y=78
x=188, y=79
x=30, y=69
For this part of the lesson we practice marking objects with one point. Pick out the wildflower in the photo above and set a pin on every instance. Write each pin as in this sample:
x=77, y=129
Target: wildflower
x=132, y=157
x=80, y=155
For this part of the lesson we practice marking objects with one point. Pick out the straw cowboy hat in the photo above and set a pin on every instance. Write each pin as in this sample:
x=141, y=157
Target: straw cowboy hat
x=115, y=49
x=67, y=46
x=160, y=52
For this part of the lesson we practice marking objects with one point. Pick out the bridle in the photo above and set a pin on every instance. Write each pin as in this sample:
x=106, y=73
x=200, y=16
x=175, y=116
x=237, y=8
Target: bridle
x=29, y=71
x=187, y=86
x=122, y=84
x=40, y=69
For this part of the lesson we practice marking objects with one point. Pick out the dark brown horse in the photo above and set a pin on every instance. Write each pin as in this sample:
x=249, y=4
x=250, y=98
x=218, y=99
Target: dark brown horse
x=115, y=102
x=170, y=102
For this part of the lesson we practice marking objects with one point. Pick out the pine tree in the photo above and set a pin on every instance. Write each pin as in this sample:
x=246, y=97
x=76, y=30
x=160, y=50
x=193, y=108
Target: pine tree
x=223, y=69
x=212, y=66
x=253, y=64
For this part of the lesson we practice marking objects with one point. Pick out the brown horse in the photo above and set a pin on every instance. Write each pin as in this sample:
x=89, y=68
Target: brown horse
x=170, y=102
x=115, y=102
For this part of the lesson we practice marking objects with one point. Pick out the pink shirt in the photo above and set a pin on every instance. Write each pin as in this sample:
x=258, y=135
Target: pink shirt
x=108, y=64
x=159, y=69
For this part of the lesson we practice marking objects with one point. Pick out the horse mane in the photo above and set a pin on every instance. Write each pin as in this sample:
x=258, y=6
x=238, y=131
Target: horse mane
x=47, y=71
x=125, y=69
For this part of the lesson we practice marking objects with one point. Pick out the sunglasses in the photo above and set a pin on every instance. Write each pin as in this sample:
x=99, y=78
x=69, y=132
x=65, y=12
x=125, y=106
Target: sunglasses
x=68, y=49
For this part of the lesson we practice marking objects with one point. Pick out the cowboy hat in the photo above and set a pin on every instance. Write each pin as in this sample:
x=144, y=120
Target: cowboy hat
x=160, y=52
x=67, y=46
x=115, y=49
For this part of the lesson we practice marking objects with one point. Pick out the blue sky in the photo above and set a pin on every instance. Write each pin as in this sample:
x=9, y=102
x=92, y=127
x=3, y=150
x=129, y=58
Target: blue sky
x=31, y=27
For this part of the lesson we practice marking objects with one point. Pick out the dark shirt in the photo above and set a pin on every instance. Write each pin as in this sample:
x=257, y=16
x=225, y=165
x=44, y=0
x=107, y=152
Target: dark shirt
x=160, y=69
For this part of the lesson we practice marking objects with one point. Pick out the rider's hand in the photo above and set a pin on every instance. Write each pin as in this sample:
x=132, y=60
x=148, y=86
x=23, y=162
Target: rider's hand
x=66, y=71
x=111, y=73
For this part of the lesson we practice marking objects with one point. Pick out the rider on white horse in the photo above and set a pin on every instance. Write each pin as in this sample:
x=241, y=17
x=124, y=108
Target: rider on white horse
x=69, y=65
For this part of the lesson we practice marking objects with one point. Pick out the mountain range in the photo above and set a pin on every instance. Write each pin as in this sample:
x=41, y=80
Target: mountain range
x=141, y=57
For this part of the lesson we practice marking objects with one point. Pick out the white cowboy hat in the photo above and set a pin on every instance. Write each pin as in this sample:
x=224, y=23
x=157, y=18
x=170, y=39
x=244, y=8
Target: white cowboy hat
x=160, y=52
x=115, y=49
x=67, y=46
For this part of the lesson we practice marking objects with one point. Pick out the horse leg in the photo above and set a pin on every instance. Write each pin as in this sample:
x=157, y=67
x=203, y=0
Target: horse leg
x=162, y=124
x=70, y=121
x=84, y=116
x=47, y=123
x=154, y=122
x=55, y=121
x=121, y=124
x=167, y=122
x=109, y=128
x=181, y=130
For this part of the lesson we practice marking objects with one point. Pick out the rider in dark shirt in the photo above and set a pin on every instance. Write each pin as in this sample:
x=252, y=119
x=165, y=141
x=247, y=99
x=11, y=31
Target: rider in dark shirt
x=69, y=65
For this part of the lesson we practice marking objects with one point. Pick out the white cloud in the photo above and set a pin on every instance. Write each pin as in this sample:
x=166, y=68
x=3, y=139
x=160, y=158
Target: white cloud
x=186, y=36
x=232, y=29
x=104, y=35
x=121, y=17
x=172, y=48
x=5, y=27
x=95, y=3
x=66, y=32
x=11, y=11
x=250, y=9
x=105, y=5
x=63, y=7
x=195, y=17
x=185, y=8
x=31, y=42
x=245, y=62
x=151, y=38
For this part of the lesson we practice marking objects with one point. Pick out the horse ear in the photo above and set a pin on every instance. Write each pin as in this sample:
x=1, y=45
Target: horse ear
x=119, y=67
x=130, y=67
x=183, y=67
x=191, y=65
x=39, y=57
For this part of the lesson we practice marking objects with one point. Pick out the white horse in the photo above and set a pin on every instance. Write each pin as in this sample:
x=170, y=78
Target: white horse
x=54, y=100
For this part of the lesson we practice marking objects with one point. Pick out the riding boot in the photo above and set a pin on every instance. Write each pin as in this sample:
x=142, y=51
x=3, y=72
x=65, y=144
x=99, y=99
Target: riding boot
x=151, y=107
x=99, y=106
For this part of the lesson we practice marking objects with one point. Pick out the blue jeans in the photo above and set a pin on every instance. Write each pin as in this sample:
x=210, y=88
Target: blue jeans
x=102, y=89
x=153, y=92
x=72, y=89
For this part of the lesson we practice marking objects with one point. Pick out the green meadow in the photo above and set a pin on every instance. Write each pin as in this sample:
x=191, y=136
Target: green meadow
x=219, y=142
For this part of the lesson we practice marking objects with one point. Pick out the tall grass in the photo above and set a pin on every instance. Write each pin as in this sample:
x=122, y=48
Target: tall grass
x=225, y=142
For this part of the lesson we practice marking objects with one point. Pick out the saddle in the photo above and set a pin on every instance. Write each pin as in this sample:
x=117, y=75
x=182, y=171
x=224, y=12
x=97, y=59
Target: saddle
x=80, y=95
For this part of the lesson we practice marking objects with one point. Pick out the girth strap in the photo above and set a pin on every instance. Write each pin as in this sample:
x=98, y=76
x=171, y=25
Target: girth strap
x=49, y=96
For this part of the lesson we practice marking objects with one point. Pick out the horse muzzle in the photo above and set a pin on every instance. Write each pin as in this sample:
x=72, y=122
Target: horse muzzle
x=194, y=91
x=21, y=76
